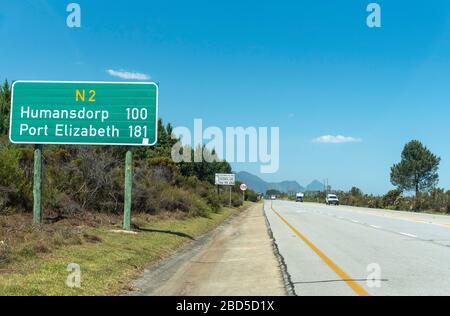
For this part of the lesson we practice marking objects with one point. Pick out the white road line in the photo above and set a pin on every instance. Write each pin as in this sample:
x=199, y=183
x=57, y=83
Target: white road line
x=375, y=226
x=355, y=221
x=409, y=235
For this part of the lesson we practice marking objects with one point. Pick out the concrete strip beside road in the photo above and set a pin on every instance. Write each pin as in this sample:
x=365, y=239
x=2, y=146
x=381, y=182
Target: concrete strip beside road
x=238, y=260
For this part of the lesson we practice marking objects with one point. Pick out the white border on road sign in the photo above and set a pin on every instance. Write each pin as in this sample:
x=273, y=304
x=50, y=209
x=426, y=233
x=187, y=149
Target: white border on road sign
x=95, y=82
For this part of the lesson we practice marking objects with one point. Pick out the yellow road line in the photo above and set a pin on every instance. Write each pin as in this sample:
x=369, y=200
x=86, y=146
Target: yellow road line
x=355, y=286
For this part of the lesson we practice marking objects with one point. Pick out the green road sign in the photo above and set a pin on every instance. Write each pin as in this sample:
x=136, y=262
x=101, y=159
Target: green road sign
x=90, y=113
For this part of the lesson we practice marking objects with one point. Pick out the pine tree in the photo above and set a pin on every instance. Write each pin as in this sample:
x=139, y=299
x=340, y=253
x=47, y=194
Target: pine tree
x=417, y=171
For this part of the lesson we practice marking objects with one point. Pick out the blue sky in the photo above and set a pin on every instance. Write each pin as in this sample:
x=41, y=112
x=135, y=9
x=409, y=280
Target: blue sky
x=313, y=68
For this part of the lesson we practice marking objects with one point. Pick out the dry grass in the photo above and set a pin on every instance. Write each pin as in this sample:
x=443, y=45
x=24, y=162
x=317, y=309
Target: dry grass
x=21, y=241
x=33, y=260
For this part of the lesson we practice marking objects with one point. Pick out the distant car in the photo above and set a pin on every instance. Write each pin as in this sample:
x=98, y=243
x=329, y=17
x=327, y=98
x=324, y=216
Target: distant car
x=299, y=197
x=332, y=199
x=273, y=197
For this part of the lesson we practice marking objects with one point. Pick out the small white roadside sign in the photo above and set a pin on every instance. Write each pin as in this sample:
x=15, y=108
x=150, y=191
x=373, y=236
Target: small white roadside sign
x=225, y=179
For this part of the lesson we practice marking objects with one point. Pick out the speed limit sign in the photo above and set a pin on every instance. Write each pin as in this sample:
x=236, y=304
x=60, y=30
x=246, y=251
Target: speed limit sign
x=243, y=187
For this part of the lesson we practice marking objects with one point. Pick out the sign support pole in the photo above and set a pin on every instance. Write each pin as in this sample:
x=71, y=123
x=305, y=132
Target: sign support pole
x=128, y=185
x=37, y=181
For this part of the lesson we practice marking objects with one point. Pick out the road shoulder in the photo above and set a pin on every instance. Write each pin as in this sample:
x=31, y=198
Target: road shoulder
x=237, y=258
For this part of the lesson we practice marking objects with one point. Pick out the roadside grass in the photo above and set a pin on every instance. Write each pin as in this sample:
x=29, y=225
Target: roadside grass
x=109, y=260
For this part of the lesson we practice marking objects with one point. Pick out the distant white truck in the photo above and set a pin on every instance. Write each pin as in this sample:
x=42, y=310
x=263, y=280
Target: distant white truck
x=332, y=199
x=299, y=197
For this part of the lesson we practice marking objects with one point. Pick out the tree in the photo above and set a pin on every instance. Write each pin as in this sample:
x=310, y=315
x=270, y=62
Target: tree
x=356, y=192
x=5, y=101
x=206, y=167
x=273, y=192
x=417, y=171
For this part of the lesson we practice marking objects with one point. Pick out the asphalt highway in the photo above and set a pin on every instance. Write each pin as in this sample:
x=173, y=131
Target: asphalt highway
x=341, y=250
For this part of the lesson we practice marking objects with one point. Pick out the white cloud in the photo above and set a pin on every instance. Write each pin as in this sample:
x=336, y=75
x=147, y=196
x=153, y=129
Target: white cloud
x=127, y=75
x=336, y=139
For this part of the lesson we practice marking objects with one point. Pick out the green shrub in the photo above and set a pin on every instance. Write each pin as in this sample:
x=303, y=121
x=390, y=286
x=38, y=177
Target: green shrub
x=79, y=179
x=251, y=196
x=15, y=187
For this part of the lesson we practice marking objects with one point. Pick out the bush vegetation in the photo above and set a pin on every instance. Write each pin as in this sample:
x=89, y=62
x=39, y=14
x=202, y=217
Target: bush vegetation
x=416, y=172
x=79, y=179
x=437, y=200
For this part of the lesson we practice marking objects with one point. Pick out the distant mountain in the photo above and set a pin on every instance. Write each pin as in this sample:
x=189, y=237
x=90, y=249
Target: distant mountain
x=254, y=182
x=259, y=185
x=315, y=186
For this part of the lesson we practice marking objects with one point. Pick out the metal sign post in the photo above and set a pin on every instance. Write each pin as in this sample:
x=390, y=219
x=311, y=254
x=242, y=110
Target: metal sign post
x=243, y=188
x=37, y=183
x=127, y=195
